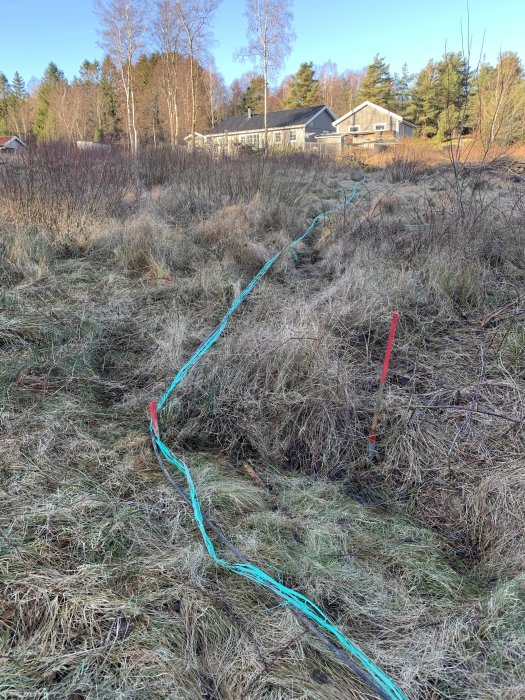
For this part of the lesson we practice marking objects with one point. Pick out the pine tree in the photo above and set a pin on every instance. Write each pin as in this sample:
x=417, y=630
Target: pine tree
x=453, y=85
x=90, y=95
x=425, y=107
x=235, y=105
x=110, y=128
x=440, y=97
x=43, y=126
x=304, y=88
x=403, y=89
x=254, y=97
x=5, y=91
x=17, y=108
x=19, y=91
x=378, y=86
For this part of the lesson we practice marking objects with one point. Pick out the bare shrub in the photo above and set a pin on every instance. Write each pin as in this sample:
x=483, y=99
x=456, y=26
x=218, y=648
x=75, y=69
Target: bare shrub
x=406, y=164
x=62, y=189
x=204, y=184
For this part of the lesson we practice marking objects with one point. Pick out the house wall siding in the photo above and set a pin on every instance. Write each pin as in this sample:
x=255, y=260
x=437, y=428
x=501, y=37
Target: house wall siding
x=366, y=118
x=229, y=142
x=323, y=122
x=405, y=130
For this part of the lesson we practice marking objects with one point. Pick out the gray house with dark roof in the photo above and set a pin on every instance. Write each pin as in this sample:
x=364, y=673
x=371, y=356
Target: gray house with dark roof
x=289, y=128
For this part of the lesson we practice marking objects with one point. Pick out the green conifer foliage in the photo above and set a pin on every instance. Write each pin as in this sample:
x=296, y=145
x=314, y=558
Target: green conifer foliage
x=304, y=88
x=254, y=97
x=110, y=128
x=403, y=89
x=43, y=125
x=5, y=92
x=378, y=85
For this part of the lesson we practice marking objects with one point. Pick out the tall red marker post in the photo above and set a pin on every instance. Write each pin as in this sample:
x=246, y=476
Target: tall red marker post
x=372, y=439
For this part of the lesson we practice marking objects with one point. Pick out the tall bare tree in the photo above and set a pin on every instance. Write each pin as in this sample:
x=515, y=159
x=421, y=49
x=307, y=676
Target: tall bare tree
x=270, y=36
x=123, y=36
x=215, y=91
x=499, y=107
x=195, y=17
x=167, y=32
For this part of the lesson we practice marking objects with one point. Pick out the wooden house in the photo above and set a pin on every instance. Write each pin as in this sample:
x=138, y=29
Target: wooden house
x=11, y=144
x=289, y=128
x=368, y=125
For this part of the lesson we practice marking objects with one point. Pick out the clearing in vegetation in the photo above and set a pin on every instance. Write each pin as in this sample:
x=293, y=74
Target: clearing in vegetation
x=112, y=272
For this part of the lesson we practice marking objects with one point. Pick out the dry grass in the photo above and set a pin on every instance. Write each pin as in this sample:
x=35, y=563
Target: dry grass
x=106, y=589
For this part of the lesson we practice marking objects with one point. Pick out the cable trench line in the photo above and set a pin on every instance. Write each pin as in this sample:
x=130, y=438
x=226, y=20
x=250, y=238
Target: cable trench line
x=302, y=606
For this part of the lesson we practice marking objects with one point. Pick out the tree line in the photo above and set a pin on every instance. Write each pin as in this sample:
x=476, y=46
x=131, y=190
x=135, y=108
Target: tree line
x=158, y=83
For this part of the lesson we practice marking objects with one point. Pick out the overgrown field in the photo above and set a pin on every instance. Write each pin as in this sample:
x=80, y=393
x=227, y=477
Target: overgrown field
x=111, y=273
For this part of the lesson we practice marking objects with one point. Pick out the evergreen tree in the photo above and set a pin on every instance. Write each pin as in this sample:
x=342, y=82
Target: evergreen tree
x=378, y=86
x=254, y=97
x=44, y=125
x=89, y=73
x=304, y=88
x=90, y=95
x=16, y=110
x=18, y=90
x=453, y=87
x=235, y=105
x=403, y=89
x=424, y=109
x=4, y=102
x=110, y=128
x=440, y=97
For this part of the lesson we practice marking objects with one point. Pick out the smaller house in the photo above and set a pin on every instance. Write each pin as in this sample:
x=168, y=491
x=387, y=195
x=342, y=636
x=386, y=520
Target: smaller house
x=288, y=128
x=368, y=125
x=11, y=144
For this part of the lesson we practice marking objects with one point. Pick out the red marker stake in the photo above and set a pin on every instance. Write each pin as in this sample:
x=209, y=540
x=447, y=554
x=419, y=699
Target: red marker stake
x=386, y=362
x=154, y=417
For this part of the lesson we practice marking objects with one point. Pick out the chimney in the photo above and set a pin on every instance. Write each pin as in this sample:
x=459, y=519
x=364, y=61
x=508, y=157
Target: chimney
x=249, y=112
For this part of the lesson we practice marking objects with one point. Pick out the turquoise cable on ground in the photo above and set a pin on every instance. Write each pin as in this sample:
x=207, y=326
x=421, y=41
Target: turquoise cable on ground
x=380, y=681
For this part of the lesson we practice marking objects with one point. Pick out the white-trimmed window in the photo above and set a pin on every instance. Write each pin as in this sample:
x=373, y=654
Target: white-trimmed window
x=380, y=127
x=277, y=137
x=293, y=136
x=243, y=139
x=353, y=128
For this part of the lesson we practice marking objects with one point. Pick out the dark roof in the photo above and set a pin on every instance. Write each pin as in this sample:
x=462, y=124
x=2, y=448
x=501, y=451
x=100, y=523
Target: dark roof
x=276, y=120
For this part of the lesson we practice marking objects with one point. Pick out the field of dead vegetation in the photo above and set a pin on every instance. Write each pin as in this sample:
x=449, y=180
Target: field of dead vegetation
x=112, y=272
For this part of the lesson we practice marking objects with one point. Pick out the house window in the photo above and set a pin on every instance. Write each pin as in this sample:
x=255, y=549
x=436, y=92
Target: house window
x=293, y=136
x=256, y=140
x=243, y=139
x=277, y=137
x=353, y=128
x=380, y=127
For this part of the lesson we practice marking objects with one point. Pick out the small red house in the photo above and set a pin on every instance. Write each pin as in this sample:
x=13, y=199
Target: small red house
x=11, y=144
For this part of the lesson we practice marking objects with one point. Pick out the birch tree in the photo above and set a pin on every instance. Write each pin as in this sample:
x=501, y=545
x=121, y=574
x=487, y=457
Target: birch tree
x=167, y=32
x=195, y=17
x=123, y=37
x=499, y=105
x=269, y=37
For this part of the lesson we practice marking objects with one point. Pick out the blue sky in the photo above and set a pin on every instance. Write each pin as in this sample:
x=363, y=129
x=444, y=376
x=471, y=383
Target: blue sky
x=65, y=31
